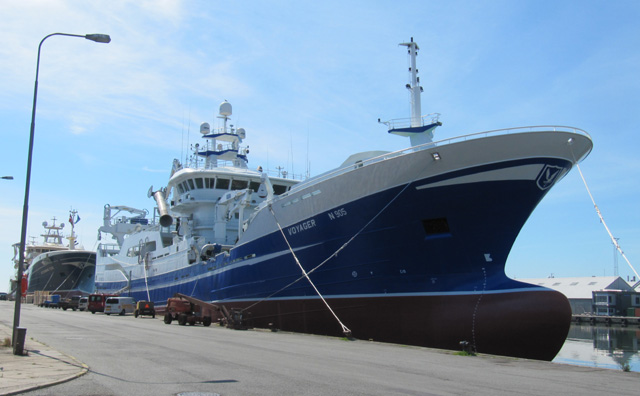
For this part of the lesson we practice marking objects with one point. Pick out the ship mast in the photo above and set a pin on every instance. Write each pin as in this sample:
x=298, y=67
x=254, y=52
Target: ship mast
x=215, y=151
x=414, y=87
x=419, y=129
x=72, y=237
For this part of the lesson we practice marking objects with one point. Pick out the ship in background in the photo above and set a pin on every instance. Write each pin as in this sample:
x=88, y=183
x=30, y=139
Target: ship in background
x=406, y=247
x=56, y=268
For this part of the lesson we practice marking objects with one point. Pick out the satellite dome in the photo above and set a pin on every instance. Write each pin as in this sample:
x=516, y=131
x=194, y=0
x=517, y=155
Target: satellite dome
x=205, y=128
x=241, y=133
x=225, y=108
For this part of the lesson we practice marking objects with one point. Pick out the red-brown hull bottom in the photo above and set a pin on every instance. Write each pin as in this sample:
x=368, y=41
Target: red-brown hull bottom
x=528, y=324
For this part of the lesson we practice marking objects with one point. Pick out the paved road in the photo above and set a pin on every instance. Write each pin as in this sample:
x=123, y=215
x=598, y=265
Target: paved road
x=143, y=356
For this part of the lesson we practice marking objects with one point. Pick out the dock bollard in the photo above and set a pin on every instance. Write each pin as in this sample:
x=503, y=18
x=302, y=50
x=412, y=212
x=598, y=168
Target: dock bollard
x=466, y=347
x=18, y=343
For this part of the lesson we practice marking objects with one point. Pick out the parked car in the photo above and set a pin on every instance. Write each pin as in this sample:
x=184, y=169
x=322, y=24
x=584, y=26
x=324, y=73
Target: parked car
x=119, y=305
x=3, y=296
x=83, y=303
x=96, y=302
x=72, y=303
x=145, y=308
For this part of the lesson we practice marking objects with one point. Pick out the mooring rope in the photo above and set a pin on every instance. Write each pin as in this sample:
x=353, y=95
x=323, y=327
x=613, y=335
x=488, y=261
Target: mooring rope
x=48, y=280
x=65, y=279
x=77, y=284
x=333, y=254
x=614, y=240
x=144, y=265
x=345, y=329
x=194, y=288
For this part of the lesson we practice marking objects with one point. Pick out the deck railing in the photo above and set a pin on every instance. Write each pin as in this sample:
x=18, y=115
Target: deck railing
x=462, y=138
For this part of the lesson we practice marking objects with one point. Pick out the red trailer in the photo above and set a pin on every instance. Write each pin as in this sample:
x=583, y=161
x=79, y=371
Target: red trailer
x=190, y=310
x=184, y=311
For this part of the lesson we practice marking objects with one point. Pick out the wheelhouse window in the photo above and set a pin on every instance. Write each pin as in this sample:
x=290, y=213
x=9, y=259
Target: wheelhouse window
x=199, y=183
x=222, y=184
x=209, y=182
x=239, y=184
x=254, y=186
x=133, y=251
x=279, y=189
x=191, y=185
x=150, y=246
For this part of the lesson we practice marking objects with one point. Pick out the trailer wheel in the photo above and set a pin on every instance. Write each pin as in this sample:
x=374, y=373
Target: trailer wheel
x=135, y=313
x=167, y=318
x=191, y=320
x=182, y=319
x=93, y=312
x=206, y=321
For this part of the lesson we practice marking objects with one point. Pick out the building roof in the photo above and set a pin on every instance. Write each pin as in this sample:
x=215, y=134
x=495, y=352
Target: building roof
x=581, y=287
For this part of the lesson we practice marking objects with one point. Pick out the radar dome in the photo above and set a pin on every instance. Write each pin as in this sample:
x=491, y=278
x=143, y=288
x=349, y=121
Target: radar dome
x=241, y=133
x=44, y=224
x=205, y=128
x=225, y=108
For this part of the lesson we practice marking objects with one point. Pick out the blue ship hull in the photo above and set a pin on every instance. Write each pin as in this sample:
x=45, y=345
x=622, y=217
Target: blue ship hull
x=421, y=263
x=64, y=272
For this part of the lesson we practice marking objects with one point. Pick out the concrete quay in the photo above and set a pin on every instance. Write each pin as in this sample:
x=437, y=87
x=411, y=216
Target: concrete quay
x=41, y=366
x=143, y=356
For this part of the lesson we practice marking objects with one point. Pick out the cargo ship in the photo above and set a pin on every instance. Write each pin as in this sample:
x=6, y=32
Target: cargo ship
x=405, y=247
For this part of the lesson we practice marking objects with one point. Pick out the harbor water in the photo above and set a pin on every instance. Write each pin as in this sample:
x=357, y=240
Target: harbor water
x=601, y=346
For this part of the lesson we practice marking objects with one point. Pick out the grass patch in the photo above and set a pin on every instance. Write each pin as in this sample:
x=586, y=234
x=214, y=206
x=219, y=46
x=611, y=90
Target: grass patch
x=6, y=342
x=464, y=353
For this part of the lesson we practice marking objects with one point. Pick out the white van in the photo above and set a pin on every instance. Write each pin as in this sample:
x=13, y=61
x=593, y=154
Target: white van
x=119, y=305
x=83, y=303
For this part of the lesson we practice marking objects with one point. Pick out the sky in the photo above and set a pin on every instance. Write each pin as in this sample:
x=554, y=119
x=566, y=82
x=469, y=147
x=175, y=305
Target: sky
x=308, y=81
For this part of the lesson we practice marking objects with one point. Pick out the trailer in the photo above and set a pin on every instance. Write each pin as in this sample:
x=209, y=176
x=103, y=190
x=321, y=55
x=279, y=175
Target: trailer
x=189, y=310
x=53, y=301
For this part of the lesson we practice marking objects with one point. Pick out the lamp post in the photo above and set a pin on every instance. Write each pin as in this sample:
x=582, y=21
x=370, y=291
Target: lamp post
x=18, y=339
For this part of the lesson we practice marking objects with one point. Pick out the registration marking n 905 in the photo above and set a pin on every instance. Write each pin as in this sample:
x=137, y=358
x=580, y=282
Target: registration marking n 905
x=336, y=214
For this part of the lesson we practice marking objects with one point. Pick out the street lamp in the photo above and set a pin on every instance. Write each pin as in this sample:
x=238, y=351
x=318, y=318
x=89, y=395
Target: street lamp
x=18, y=339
